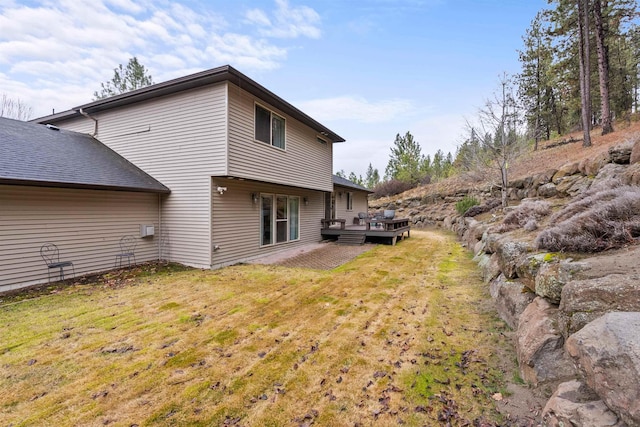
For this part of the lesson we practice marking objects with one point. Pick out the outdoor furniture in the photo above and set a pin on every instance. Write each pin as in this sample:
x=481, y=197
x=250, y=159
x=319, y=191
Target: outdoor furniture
x=127, y=250
x=388, y=224
x=389, y=213
x=362, y=216
x=51, y=256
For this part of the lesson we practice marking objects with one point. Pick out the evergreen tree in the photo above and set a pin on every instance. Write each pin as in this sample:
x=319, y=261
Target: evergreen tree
x=372, y=178
x=535, y=81
x=405, y=160
x=125, y=79
x=356, y=179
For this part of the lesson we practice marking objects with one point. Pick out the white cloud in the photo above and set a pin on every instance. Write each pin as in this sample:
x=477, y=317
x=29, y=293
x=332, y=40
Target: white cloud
x=73, y=46
x=287, y=22
x=357, y=108
x=245, y=52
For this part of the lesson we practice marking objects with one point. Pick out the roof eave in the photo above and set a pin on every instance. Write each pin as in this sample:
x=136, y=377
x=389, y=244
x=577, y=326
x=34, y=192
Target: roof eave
x=214, y=75
x=80, y=186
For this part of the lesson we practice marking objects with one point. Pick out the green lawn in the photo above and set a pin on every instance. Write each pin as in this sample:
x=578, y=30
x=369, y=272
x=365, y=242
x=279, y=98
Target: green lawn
x=399, y=335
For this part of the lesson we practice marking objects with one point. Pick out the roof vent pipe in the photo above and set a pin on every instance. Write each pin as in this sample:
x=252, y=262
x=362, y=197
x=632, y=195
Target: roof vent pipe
x=95, y=127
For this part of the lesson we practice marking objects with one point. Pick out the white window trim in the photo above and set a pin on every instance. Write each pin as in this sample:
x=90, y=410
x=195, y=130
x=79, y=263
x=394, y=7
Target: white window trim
x=274, y=219
x=349, y=201
x=270, y=143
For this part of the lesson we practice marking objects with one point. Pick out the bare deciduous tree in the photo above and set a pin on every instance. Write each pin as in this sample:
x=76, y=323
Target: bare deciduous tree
x=496, y=138
x=14, y=109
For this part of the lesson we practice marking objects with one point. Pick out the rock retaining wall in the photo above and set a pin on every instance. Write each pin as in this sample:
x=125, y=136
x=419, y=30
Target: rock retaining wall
x=577, y=325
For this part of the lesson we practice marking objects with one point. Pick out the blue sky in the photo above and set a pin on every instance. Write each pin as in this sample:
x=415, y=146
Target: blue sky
x=366, y=69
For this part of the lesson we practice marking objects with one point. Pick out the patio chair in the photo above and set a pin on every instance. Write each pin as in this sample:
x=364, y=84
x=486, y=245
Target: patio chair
x=128, y=245
x=51, y=256
x=362, y=216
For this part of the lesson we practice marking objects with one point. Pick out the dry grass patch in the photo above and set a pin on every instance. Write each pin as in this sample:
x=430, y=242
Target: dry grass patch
x=398, y=335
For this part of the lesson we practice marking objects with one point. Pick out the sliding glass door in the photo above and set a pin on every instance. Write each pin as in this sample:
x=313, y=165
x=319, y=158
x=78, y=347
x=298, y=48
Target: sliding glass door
x=280, y=216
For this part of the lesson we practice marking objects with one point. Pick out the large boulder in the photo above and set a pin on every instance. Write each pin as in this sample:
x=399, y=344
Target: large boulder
x=583, y=301
x=510, y=254
x=631, y=176
x=511, y=299
x=548, y=190
x=574, y=404
x=621, y=154
x=565, y=170
x=591, y=166
x=609, y=174
x=529, y=266
x=635, y=152
x=489, y=266
x=551, y=278
x=573, y=185
x=540, y=351
x=542, y=178
x=607, y=351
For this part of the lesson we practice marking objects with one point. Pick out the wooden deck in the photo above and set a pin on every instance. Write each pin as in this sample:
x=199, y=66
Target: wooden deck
x=374, y=230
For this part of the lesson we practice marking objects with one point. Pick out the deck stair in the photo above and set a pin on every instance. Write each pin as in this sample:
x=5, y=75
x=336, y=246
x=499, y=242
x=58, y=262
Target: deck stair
x=351, y=239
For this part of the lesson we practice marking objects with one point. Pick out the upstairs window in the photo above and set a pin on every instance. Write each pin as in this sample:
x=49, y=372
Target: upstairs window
x=269, y=127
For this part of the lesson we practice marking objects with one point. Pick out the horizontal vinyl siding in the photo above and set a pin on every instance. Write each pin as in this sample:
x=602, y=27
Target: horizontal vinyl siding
x=181, y=141
x=236, y=220
x=304, y=163
x=86, y=225
x=360, y=203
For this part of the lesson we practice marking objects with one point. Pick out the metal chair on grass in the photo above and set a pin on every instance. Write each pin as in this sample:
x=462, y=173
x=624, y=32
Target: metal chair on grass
x=128, y=245
x=51, y=256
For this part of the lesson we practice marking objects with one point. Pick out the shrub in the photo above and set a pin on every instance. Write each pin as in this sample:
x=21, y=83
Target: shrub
x=599, y=221
x=391, y=188
x=480, y=209
x=466, y=203
x=526, y=216
x=531, y=225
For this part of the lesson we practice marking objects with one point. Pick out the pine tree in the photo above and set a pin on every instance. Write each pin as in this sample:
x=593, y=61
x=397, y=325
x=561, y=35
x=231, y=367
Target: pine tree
x=535, y=80
x=405, y=160
x=356, y=179
x=125, y=79
x=372, y=178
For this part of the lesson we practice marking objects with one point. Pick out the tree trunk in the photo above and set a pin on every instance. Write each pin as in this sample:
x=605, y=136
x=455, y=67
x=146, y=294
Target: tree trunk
x=585, y=71
x=603, y=68
x=505, y=185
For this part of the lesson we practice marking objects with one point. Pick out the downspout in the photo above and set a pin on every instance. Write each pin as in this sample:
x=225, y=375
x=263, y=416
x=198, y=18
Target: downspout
x=95, y=127
x=160, y=230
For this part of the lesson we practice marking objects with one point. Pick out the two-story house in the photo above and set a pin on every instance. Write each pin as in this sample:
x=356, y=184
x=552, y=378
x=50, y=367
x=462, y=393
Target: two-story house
x=248, y=173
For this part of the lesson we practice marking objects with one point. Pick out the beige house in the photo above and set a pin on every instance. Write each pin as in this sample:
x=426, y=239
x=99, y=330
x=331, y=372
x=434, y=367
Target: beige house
x=349, y=200
x=68, y=189
x=248, y=175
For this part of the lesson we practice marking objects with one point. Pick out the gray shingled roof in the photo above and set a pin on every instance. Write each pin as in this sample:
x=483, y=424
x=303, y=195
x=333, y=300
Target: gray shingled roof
x=337, y=180
x=36, y=155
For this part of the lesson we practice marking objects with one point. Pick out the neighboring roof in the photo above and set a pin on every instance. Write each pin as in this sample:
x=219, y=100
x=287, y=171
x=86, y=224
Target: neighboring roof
x=338, y=180
x=38, y=155
x=214, y=75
